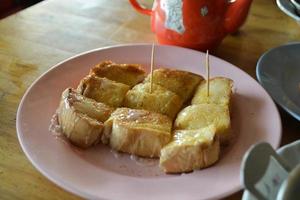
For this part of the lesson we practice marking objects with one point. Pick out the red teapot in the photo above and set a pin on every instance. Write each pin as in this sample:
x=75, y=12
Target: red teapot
x=197, y=24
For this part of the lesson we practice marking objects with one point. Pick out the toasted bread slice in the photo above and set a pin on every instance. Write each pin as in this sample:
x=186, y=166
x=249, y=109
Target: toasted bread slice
x=220, y=90
x=202, y=115
x=80, y=128
x=182, y=83
x=137, y=132
x=90, y=107
x=190, y=150
x=103, y=90
x=129, y=74
x=159, y=100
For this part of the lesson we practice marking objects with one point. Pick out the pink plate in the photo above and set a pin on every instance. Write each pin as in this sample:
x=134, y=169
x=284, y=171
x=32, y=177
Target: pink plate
x=98, y=173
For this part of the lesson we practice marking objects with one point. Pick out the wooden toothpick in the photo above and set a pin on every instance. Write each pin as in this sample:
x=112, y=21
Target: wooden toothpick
x=152, y=63
x=207, y=71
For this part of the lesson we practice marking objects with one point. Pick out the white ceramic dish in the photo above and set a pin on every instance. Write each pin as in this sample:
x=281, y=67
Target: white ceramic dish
x=97, y=174
x=290, y=153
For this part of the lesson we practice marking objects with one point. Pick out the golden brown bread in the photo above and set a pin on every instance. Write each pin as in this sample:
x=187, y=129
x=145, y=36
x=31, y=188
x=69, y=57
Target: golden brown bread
x=90, y=107
x=137, y=132
x=220, y=90
x=202, y=115
x=129, y=74
x=190, y=150
x=159, y=100
x=144, y=128
x=182, y=83
x=76, y=116
x=103, y=90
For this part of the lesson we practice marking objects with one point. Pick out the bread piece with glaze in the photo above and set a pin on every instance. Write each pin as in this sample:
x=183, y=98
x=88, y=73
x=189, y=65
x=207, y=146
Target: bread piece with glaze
x=220, y=90
x=103, y=90
x=160, y=100
x=129, y=74
x=182, y=83
x=190, y=150
x=90, y=107
x=202, y=115
x=137, y=132
x=81, y=118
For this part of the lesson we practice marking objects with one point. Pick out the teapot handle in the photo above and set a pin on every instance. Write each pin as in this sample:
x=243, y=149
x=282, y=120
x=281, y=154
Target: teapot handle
x=140, y=8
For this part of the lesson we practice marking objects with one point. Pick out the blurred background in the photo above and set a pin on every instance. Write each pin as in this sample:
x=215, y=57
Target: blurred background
x=8, y=7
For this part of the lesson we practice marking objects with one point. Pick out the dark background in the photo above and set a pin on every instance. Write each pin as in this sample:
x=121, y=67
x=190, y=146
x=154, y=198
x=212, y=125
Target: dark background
x=8, y=7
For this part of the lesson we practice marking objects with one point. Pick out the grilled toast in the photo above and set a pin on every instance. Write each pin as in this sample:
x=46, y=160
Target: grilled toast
x=202, y=115
x=129, y=74
x=103, y=90
x=220, y=90
x=182, y=83
x=159, y=100
x=90, y=107
x=80, y=118
x=190, y=150
x=137, y=132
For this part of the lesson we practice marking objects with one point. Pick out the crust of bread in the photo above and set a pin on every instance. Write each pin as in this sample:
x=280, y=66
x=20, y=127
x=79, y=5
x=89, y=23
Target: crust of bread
x=103, y=90
x=137, y=132
x=182, y=83
x=129, y=74
x=190, y=150
x=160, y=100
x=220, y=90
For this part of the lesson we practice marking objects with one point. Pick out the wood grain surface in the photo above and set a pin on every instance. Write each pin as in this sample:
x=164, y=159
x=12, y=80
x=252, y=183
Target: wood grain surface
x=38, y=37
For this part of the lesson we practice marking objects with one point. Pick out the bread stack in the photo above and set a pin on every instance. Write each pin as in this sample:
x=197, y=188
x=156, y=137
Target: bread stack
x=83, y=111
x=171, y=118
x=199, y=129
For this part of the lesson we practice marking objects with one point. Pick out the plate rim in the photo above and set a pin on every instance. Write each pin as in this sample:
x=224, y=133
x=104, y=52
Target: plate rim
x=260, y=79
x=81, y=193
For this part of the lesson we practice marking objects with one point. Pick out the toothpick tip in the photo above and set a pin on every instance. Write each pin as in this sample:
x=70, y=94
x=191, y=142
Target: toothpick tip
x=152, y=63
x=207, y=71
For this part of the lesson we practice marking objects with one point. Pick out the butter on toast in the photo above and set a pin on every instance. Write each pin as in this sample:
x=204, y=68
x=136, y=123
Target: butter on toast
x=103, y=90
x=182, y=83
x=129, y=74
x=137, y=132
x=160, y=100
x=220, y=90
x=190, y=150
x=202, y=115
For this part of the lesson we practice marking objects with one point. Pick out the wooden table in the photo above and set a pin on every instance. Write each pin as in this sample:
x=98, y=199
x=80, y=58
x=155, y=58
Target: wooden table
x=34, y=39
